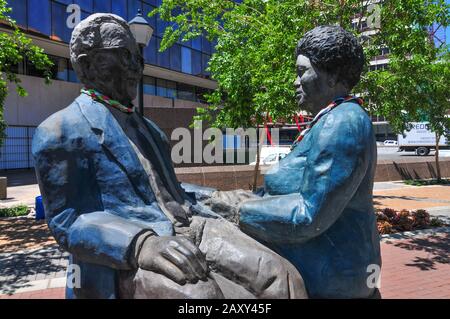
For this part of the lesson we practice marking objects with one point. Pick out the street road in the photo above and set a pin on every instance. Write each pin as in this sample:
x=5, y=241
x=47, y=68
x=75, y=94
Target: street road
x=390, y=153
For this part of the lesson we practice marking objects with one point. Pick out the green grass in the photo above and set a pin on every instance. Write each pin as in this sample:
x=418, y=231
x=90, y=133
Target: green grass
x=20, y=210
x=426, y=182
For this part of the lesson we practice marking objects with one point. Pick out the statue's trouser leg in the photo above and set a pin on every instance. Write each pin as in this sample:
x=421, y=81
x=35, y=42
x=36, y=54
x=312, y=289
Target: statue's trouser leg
x=242, y=260
x=240, y=268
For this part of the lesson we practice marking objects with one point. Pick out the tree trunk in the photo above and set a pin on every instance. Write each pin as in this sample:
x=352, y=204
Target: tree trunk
x=436, y=158
x=258, y=157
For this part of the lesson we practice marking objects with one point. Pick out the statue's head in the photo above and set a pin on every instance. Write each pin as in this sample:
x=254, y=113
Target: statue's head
x=329, y=64
x=106, y=57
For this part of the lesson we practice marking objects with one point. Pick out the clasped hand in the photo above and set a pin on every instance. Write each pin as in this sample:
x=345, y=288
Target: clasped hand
x=175, y=257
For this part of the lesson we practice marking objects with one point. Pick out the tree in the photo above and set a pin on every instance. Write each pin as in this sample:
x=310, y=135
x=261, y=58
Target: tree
x=14, y=47
x=415, y=86
x=254, y=62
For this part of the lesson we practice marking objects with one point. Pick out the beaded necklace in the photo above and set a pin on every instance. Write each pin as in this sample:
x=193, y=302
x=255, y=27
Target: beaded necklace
x=324, y=111
x=97, y=96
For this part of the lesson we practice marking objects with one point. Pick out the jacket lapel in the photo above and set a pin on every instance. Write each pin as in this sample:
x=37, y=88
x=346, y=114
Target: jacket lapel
x=162, y=149
x=111, y=136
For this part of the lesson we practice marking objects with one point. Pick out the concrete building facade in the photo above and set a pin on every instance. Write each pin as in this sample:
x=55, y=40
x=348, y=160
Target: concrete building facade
x=175, y=80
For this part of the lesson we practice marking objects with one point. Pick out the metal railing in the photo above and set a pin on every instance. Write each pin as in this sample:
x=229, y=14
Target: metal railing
x=15, y=152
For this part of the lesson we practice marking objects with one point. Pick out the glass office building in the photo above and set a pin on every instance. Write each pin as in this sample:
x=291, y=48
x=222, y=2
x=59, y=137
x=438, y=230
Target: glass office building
x=48, y=18
x=175, y=81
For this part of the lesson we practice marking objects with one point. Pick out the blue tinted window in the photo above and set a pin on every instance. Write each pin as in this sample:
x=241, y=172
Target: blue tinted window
x=186, y=60
x=213, y=46
x=196, y=63
x=160, y=26
x=19, y=11
x=163, y=58
x=161, y=89
x=86, y=5
x=150, y=51
x=166, y=88
x=186, y=92
x=59, y=68
x=197, y=43
x=39, y=16
x=102, y=6
x=73, y=76
x=146, y=9
x=60, y=31
x=149, y=85
x=84, y=15
x=175, y=57
x=171, y=89
x=133, y=7
x=119, y=7
x=185, y=43
x=206, y=45
x=205, y=59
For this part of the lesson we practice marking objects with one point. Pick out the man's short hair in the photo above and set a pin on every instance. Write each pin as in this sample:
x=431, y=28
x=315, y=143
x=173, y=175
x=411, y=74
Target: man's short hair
x=334, y=50
x=100, y=30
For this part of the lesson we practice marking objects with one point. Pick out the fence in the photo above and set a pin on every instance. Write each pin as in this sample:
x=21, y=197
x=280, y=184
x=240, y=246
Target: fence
x=16, y=150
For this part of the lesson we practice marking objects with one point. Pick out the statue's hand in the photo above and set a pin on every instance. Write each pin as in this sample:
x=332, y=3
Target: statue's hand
x=175, y=257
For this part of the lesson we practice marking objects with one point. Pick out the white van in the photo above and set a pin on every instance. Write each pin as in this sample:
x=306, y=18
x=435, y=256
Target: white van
x=420, y=139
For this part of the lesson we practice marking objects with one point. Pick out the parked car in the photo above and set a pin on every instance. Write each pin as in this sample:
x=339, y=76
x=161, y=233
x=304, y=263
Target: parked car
x=390, y=143
x=272, y=155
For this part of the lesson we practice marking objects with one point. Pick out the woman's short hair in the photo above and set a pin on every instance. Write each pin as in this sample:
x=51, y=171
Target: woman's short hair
x=334, y=50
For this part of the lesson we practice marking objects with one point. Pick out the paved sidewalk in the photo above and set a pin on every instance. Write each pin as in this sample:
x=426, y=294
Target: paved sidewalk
x=32, y=270
x=18, y=195
x=397, y=195
x=51, y=293
x=416, y=268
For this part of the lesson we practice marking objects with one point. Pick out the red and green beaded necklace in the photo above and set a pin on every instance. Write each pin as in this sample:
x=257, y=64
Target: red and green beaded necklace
x=103, y=98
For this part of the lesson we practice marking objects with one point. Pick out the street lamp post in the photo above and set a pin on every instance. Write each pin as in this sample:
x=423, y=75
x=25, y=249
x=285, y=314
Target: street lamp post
x=142, y=32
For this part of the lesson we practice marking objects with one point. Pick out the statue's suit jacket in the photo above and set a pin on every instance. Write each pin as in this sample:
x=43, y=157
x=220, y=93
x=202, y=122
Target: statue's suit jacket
x=96, y=194
x=317, y=210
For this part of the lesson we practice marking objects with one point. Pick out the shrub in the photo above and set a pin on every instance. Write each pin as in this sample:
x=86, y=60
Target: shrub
x=436, y=222
x=421, y=218
x=389, y=220
x=14, y=211
x=403, y=221
x=389, y=213
x=384, y=227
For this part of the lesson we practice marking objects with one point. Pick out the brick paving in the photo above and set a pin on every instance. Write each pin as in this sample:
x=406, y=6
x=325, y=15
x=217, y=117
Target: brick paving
x=52, y=293
x=413, y=197
x=416, y=268
x=30, y=270
x=24, y=233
